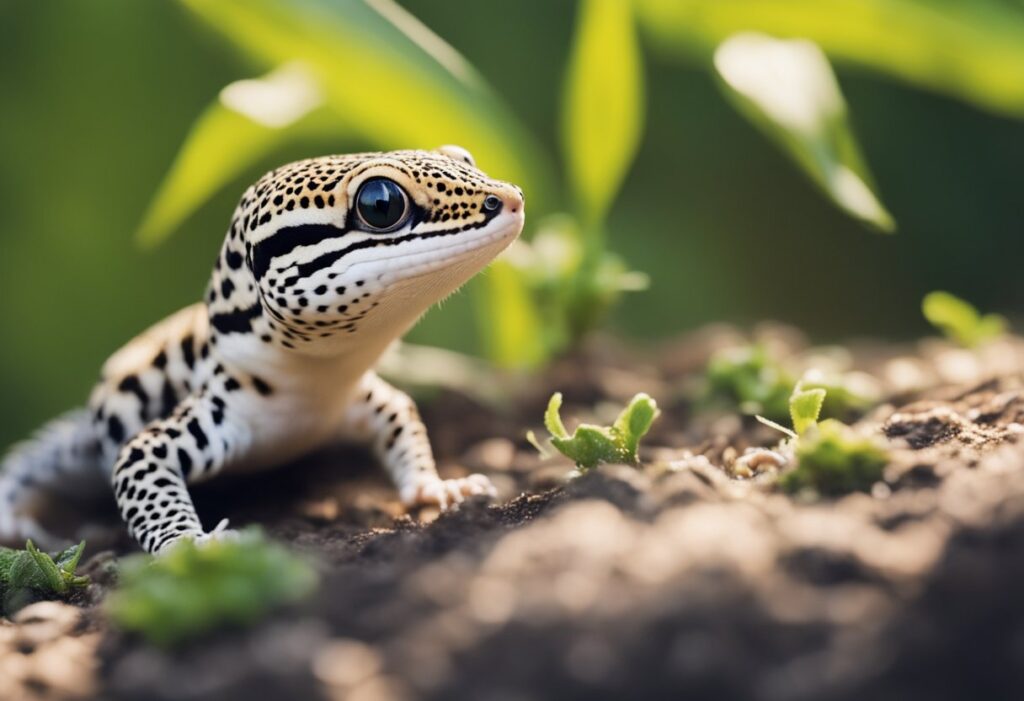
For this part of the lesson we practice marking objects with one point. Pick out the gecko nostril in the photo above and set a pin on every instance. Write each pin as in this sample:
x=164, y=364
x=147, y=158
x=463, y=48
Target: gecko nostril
x=492, y=203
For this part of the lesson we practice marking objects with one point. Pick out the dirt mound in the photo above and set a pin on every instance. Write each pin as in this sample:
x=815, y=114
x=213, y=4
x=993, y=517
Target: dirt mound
x=672, y=581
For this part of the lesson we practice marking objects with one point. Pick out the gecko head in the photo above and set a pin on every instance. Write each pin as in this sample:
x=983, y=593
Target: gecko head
x=355, y=243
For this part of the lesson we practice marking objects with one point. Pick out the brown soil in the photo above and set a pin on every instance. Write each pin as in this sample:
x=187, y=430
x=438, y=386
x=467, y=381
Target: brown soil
x=672, y=581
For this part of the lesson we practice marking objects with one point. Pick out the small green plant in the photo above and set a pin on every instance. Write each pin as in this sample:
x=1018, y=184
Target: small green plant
x=960, y=321
x=29, y=574
x=591, y=445
x=751, y=380
x=831, y=457
x=192, y=589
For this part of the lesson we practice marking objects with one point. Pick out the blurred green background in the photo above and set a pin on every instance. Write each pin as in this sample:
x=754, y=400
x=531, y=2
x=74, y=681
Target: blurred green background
x=99, y=95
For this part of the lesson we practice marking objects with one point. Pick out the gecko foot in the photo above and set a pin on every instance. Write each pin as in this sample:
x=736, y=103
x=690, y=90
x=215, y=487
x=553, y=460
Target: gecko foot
x=447, y=493
x=220, y=533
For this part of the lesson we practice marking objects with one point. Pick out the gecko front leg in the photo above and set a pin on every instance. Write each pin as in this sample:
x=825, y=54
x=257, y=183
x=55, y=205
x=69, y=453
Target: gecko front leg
x=153, y=469
x=388, y=418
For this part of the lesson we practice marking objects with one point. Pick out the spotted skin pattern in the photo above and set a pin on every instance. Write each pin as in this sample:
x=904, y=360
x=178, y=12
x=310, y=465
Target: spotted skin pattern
x=278, y=360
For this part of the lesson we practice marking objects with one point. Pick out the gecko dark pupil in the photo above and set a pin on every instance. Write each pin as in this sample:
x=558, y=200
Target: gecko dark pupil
x=381, y=203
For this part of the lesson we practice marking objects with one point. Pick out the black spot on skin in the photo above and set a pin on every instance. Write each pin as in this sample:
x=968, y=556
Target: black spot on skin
x=238, y=321
x=160, y=361
x=168, y=400
x=115, y=429
x=261, y=386
x=231, y=384
x=227, y=287
x=130, y=384
x=197, y=433
x=160, y=451
x=233, y=259
x=184, y=462
x=188, y=351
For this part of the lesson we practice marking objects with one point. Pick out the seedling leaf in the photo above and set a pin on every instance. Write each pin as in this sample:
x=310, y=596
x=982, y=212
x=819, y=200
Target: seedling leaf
x=960, y=321
x=552, y=420
x=635, y=421
x=805, y=407
x=49, y=575
x=591, y=445
x=30, y=574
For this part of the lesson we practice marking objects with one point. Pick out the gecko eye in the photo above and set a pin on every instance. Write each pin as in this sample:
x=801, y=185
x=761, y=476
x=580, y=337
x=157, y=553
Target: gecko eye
x=492, y=203
x=381, y=205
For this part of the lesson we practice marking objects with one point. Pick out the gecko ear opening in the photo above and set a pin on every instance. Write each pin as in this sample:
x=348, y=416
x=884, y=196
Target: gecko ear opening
x=457, y=153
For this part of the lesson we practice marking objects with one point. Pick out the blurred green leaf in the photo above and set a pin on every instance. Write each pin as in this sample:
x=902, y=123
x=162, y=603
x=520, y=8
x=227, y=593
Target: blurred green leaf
x=192, y=589
x=960, y=321
x=751, y=379
x=788, y=89
x=603, y=110
x=247, y=122
x=570, y=299
x=508, y=317
x=968, y=49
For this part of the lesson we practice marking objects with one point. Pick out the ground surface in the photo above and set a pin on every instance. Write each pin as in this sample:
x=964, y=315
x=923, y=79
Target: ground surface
x=672, y=581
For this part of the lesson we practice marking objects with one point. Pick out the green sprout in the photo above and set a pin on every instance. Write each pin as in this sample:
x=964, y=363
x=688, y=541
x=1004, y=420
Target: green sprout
x=30, y=574
x=753, y=381
x=960, y=321
x=833, y=459
x=805, y=408
x=591, y=445
x=193, y=589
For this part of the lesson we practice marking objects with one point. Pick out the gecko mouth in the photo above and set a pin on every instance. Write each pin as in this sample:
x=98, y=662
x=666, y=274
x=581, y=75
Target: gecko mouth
x=411, y=265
